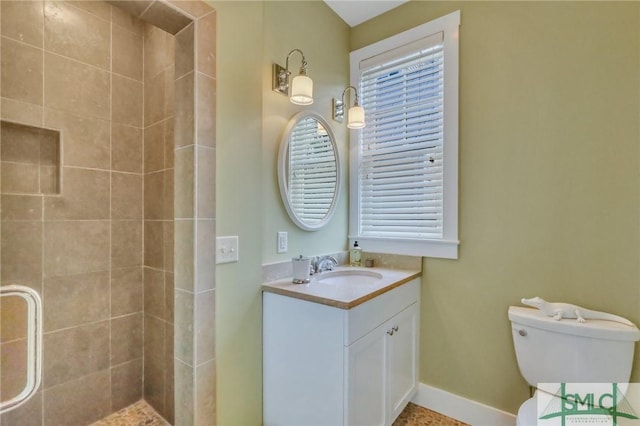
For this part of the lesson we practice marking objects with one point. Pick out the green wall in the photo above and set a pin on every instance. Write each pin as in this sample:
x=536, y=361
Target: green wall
x=250, y=121
x=549, y=179
x=549, y=153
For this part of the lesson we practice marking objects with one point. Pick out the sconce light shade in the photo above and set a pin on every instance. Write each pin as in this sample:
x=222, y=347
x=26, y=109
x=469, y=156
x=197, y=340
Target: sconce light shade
x=301, y=90
x=355, y=117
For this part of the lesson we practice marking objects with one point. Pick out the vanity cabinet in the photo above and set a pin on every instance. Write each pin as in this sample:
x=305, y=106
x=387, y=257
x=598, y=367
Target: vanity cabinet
x=324, y=365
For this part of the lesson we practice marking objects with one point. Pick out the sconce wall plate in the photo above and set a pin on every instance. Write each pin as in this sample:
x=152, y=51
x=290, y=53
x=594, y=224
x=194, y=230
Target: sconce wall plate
x=280, y=83
x=337, y=108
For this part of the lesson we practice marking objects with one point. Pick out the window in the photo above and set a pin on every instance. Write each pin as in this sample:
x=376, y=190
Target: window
x=404, y=163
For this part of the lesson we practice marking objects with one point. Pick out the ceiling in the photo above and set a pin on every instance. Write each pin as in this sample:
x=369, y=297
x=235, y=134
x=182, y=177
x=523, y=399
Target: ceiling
x=355, y=12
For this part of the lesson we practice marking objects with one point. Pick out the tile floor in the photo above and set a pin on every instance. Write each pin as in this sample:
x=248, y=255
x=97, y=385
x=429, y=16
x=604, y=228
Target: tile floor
x=141, y=414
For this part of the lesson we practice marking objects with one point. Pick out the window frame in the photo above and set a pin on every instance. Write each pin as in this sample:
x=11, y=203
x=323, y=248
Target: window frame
x=447, y=246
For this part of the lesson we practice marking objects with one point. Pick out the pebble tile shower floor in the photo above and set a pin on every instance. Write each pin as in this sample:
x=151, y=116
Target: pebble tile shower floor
x=141, y=414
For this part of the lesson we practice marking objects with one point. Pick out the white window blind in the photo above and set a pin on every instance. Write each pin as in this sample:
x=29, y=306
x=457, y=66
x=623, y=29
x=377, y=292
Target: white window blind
x=312, y=171
x=401, y=158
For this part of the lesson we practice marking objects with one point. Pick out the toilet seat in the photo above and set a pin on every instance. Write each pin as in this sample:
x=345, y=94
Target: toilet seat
x=527, y=414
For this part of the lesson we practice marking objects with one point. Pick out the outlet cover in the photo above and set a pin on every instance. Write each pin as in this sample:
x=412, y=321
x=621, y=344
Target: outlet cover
x=227, y=249
x=283, y=242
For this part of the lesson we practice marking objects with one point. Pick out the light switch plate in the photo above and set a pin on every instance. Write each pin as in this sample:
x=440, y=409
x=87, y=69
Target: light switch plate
x=227, y=249
x=283, y=242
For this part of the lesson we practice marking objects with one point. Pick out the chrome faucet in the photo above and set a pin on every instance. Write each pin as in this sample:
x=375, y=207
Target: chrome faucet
x=323, y=263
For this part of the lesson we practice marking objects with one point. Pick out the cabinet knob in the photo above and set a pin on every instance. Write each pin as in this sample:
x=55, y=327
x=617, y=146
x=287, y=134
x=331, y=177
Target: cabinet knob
x=390, y=332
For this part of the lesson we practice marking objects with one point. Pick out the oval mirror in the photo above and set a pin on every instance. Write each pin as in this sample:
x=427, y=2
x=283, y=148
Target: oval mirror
x=309, y=170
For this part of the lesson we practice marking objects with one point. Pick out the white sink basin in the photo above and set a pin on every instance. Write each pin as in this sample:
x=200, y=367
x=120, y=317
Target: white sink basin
x=349, y=277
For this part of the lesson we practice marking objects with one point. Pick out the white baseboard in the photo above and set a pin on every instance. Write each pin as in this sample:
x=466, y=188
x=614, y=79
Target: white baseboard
x=461, y=409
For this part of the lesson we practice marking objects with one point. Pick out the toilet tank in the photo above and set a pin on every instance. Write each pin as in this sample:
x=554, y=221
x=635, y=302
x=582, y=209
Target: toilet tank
x=566, y=351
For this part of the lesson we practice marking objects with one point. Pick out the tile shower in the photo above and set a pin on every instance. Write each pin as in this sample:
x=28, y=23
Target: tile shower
x=98, y=109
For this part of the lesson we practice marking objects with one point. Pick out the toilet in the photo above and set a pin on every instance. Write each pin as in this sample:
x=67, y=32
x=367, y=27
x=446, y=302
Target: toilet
x=567, y=351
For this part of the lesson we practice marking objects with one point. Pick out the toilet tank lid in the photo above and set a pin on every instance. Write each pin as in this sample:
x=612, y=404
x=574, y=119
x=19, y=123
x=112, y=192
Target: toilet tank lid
x=598, y=329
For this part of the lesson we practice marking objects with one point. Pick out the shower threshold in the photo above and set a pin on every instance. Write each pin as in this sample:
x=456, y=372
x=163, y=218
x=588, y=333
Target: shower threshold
x=136, y=414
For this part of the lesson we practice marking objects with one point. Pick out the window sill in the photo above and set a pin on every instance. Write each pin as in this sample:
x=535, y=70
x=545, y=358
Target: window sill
x=444, y=249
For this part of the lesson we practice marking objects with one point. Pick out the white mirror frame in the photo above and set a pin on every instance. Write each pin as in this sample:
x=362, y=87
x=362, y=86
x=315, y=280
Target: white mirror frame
x=282, y=170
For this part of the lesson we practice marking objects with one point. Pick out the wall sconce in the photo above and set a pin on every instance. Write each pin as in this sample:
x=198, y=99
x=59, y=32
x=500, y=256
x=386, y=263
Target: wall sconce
x=301, y=85
x=355, y=115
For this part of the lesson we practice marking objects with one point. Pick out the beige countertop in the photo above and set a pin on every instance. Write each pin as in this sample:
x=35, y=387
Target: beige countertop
x=347, y=292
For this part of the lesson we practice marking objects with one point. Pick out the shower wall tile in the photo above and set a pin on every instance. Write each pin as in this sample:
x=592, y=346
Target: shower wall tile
x=86, y=140
x=184, y=124
x=154, y=291
x=168, y=228
x=21, y=253
x=13, y=368
x=169, y=91
x=205, y=183
x=126, y=196
x=75, y=247
x=154, y=147
x=126, y=96
x=184, y=182
x=156, y=56
x=89, y=396
x=126, y=338
x=21, y=207
x=21, y=72
x=205, y=255
x=185, y=392
x=154, y=365
x=185, y=51
x=206, y=99
x=127, y=21
x=153, y=247
x=169, y=146
x=23, y=21
x=135, y=8
x=126, y=148
x=127, y=53
x=98, y=8
x=20, y=144
x=154, y=195
x=154, y=99
x=13, y=319
x=29, y=414
x=85, y=196
x=205, y=32
x=66, y=30
x=184, y=326
x=169, y=376
x=184, y=254
x=75, y=300
x=205, y=403
x=126, y=384
x=169, y=296
x=74, y=352
x=20, y=112
x=126, y=243
x=126, y=291
x=20, y=178
x=165, y=17
x=75, y=87
x=204, y=331
x=193, y=8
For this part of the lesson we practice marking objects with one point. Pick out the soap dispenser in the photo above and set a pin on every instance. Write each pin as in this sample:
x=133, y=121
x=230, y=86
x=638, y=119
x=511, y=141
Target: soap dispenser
x=355, y=255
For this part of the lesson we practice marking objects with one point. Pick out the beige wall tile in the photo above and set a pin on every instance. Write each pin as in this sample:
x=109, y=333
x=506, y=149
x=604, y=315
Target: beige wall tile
x=127, y=21
x=98, y=8
x=126, y=243
x=126, y=338
x=127, y=53
x=168, y=194
x=169, y=91
x=156, y=43
x=168, y=245
x=23, y=21
x=126, y=290
x=85, y=196
x=75, y=247
x=74, y=352
x=13, y=318
x=192, y=8
x=29, y=414
x=184, y=125
x=165, y=17
x=154, y=147
x=169, y=143
x=49, y=180
x=75, y=300
x=126, y=196
x=184, y=327
x=205, y=402
x=154, y=195
x=184, y=183
x=75, y=87
x=185, y=393
x=87, y=395
x=206, y=35
x=169, y=388
x=127, y=101
x=77, y=34
x=184, y=254
x=21, y=207
x=154, y=99
x=21, y=72
x=20, y=144
x=185, y=51
x=135, y=8
x=206, y=183
x=20, y=112
x=206, y=132
x=169, y=296
x=21, y=252
x=126, y=384
x=13, y=368
x=154, y=365
x=19, y=178
x=204, y=326
x=126, y=148
x=153, y=244
x=205, y=255
x=85, y=140
x=154, y=299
